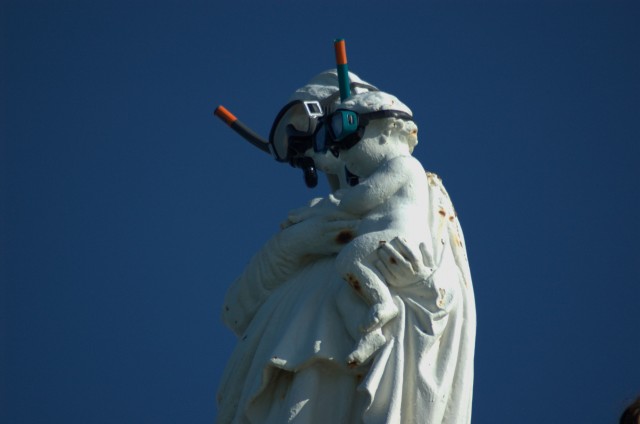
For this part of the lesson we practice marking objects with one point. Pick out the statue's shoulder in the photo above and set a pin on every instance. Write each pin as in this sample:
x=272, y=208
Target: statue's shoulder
x=433, y=178
x=406, y=164
x=437, y=189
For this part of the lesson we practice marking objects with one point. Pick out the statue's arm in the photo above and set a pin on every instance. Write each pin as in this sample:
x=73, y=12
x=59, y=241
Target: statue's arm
x=431, y=268
x=270, y=266
x=426, y=272
x=278, y=260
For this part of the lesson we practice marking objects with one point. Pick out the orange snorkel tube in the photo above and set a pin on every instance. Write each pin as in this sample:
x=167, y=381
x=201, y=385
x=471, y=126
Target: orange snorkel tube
x=244, y=131
x=305, y=163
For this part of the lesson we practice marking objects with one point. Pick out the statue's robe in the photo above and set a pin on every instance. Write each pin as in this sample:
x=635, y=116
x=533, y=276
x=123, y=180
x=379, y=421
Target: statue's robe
x=295, y=332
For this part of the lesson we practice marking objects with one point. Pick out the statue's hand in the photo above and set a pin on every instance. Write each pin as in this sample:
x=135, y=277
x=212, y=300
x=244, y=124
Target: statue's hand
x=322, y=234
x=401, y=266
x=317, y=207
x=336, y=196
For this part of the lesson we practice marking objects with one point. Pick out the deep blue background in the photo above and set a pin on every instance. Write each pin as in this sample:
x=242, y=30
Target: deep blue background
x=126, y=208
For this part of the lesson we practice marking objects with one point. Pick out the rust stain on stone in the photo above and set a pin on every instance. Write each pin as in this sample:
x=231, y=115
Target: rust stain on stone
x=344, y=236
x=353, y=282
x=440, y=301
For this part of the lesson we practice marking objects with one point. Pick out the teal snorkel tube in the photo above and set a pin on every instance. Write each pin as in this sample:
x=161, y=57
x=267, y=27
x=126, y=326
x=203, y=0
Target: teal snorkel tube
x=342, y=68
x=349, y=120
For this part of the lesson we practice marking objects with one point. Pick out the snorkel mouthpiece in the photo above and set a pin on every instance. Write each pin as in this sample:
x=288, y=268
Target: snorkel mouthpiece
x=342, y=68
x=308, y=169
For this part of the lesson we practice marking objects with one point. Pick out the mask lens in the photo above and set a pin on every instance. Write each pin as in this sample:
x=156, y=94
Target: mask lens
x=336, y=125
x=344, y=123
x=321, y=140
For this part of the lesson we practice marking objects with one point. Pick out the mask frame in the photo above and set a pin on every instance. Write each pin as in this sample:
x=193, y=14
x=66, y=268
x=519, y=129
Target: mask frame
x=345, y=128
x=292, y=130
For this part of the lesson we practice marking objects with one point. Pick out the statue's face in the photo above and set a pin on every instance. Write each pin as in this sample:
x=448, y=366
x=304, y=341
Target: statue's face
x=379, y=144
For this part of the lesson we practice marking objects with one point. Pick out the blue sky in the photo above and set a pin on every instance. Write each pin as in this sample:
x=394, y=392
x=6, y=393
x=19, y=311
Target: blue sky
x=126, y=208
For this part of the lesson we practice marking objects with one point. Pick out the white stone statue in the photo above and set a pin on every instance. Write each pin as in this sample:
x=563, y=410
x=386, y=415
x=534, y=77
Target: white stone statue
x=396, y=344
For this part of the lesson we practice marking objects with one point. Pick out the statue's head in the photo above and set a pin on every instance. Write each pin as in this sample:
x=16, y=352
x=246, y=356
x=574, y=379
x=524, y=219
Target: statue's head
x=316, y=129
x=324, y=89
x=300, y=121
